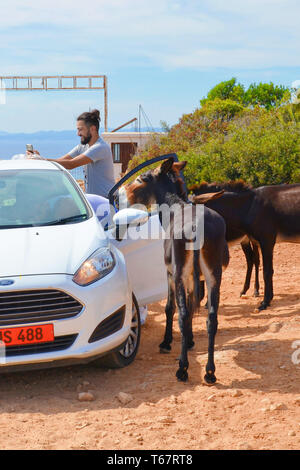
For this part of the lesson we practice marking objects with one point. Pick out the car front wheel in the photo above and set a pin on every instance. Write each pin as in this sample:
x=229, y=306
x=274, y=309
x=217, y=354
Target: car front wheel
x=126, y=355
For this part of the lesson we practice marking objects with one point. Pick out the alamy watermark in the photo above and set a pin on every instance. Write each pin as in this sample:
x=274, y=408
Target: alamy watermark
x=296, y=353
x=177, y=222
x=2, y=352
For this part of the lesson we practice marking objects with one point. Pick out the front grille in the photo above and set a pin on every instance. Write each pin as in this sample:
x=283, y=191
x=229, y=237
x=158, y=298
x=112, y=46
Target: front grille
x=59, y=343
x=36, y=305
x=109, y=326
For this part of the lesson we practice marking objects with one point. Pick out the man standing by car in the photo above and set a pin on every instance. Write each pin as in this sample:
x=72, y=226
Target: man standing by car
x=92, y=152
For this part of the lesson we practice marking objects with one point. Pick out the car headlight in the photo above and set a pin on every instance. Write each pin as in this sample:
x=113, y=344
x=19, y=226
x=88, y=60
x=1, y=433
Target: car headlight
x=95, y=267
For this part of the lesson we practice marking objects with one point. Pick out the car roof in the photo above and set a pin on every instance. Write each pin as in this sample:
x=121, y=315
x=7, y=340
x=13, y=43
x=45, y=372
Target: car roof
x=29, y=165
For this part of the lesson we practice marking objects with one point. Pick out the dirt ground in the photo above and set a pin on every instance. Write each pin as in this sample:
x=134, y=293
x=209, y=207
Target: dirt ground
x=254, y=405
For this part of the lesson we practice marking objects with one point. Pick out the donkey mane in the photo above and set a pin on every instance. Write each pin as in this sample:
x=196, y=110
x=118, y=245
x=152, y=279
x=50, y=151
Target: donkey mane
x=237, y=186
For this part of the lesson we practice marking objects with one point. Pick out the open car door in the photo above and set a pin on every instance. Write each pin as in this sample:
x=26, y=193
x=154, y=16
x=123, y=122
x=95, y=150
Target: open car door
x=143, y=247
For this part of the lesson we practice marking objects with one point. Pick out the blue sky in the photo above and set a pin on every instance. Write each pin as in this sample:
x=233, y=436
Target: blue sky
x=162, y=54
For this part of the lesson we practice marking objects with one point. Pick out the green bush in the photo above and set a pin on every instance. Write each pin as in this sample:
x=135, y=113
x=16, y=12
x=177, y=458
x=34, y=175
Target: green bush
x=225, y=141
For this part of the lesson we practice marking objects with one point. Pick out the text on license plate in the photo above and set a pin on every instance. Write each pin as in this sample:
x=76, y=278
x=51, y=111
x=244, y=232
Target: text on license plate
x=27, y=335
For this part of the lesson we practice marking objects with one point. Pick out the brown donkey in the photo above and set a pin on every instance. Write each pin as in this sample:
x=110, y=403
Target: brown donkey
x=188, y=256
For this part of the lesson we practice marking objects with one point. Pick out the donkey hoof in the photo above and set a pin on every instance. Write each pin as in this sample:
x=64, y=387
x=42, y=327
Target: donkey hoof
x=182, y=375
x=256, y=293
x=164, y=348
x=263, y=306
x=210, y=379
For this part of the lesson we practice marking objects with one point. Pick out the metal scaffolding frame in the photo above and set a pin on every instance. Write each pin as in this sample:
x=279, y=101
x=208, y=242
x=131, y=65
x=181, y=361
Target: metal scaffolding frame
x=57, y=82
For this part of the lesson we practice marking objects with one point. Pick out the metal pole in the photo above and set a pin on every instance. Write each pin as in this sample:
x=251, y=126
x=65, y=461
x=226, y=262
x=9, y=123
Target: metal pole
x=105, y=102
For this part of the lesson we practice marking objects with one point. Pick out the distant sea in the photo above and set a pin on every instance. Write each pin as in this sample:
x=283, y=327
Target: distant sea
x=50, y=144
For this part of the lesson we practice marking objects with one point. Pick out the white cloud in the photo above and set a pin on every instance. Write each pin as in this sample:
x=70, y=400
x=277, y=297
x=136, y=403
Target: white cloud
x=242, y=58
x=212, y=33
x=102, y=36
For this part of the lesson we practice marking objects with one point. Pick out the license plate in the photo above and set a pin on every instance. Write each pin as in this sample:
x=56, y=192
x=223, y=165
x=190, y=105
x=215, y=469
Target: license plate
x=27, y=335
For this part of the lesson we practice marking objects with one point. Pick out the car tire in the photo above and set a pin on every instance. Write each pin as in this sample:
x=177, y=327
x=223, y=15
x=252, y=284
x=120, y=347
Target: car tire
x=126, y=355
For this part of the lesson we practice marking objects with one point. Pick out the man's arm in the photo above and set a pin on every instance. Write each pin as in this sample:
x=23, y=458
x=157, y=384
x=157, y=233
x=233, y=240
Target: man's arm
x=69, y=163
x=64, y=157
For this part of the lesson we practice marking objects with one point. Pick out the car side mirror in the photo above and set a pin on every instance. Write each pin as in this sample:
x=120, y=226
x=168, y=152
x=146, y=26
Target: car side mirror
x=128, y=217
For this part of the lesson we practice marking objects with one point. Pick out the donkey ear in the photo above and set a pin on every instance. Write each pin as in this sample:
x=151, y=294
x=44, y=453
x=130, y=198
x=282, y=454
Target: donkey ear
x=203, y=198
x=178, y=166
x=166, y=166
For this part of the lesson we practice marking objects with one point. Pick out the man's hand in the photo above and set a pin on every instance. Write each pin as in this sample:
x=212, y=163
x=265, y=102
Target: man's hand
x=35, y=155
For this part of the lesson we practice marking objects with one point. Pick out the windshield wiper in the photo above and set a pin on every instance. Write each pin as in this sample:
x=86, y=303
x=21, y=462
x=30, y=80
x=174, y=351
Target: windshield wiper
x=66, y=220
x=2, y=227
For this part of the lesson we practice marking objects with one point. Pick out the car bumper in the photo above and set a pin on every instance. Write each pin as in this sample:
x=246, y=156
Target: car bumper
x=99, y=301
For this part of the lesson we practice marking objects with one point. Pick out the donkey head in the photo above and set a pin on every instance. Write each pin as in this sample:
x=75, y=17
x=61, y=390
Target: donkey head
x=151, y=187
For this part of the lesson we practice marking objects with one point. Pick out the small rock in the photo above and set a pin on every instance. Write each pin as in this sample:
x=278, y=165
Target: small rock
x=166, y=420
x=244, y=446
x=124, y=398
x=277, y=406
x=275, y=327
x=81, y=426
x=86, y=396
x=236, y=393
x=173, y=399
x=291, y=433
x=128, y=423
x=211, y=397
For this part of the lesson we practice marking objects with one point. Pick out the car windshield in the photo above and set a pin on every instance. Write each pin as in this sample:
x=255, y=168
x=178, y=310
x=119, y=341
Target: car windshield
x=32, y=198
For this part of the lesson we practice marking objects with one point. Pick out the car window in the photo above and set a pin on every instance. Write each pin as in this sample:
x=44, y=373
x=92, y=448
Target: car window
x=39, y=197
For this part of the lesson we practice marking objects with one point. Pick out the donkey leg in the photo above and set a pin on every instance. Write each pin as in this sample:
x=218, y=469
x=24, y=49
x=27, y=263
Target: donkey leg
x=191, y=342
x=267, y=247
x=165, y=346
x=214, y=282
x=184, y=324
x=202, y=290
x=248, y=252
x=256, y=264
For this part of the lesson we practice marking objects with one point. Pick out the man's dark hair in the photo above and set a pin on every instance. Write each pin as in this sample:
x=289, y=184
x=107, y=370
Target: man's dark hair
x=91, y=118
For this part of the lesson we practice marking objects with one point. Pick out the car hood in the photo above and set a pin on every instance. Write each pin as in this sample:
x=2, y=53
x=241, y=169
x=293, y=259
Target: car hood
x=55, y=249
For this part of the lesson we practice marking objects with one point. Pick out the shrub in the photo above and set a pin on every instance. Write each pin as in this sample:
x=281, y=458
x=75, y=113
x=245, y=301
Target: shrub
x=225, y=141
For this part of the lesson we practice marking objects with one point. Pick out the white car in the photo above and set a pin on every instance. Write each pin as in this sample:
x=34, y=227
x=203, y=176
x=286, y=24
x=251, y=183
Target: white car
x=69, y=291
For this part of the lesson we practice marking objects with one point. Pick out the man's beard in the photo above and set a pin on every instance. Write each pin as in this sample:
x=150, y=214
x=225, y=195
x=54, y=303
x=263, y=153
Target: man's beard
x=85, y=140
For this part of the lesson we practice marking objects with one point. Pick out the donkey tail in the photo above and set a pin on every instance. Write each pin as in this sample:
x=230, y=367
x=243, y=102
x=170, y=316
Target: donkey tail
x=226, y=256
x=198, y=286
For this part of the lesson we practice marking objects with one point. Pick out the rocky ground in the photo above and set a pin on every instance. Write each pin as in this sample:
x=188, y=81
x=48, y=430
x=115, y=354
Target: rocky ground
x=254, y=405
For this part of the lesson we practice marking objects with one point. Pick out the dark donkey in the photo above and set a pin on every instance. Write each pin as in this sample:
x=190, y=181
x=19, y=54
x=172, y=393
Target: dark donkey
x=185, y=265
x=267, y=215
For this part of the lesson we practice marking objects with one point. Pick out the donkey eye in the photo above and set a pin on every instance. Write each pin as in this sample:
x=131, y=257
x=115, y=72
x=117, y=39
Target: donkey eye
x=146, y=178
